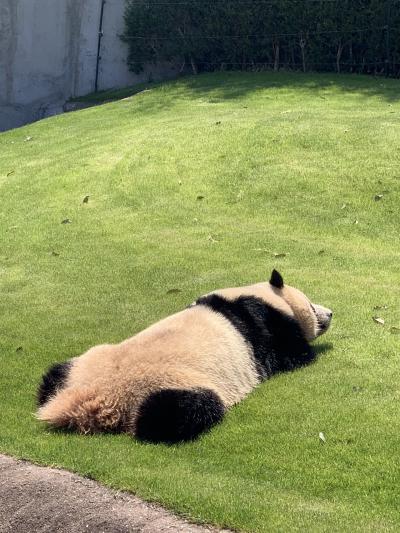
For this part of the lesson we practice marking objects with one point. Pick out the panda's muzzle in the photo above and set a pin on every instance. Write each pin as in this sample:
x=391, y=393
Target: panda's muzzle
x=323, y=316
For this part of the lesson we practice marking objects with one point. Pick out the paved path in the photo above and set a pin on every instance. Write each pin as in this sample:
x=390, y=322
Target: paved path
x=38, y=499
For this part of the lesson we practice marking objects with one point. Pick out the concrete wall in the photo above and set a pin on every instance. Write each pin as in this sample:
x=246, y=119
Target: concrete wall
x=48, y=53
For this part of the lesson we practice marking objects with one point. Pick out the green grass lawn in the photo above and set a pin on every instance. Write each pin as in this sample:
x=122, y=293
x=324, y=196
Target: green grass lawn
x=199, y=184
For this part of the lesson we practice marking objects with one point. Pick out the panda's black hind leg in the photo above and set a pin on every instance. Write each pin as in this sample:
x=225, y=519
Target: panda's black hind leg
x=176, y=415
x=53, y=380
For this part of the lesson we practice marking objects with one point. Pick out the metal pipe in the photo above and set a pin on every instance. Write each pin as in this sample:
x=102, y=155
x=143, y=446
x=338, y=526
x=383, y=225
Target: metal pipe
x=100, y=36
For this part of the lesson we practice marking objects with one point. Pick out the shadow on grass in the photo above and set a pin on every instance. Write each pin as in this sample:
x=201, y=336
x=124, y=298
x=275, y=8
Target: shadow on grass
x=226, y=86
x=322, y=348
x=110, y=95
x=232, y=85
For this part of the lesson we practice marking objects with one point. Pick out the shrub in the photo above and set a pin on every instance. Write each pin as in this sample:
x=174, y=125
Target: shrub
x=332, y=35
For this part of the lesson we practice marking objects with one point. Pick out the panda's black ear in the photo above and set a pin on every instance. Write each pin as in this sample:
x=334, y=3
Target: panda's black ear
x=276, y=279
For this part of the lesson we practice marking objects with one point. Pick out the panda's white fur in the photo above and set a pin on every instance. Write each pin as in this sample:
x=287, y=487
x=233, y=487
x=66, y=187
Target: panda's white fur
x=175, y=379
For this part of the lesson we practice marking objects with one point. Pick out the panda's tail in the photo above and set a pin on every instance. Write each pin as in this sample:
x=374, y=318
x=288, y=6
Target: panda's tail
x=176, y=415
x=83, y=410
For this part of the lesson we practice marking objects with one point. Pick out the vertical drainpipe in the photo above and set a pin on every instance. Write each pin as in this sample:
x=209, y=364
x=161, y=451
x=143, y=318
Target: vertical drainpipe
x=100, y=35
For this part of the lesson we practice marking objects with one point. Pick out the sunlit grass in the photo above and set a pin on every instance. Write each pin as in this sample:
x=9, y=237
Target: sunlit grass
x=203, y=183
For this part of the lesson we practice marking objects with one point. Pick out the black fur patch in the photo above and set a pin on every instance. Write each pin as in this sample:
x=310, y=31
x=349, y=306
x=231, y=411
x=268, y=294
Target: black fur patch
x=277, y=342
x=53, y=380
x=175, y=415
x=276, y=279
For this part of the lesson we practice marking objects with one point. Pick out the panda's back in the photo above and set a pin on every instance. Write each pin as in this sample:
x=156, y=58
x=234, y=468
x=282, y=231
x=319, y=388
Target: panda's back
x=193, y=348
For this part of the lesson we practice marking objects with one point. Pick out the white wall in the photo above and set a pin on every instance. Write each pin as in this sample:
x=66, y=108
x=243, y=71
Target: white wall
x=48, y=52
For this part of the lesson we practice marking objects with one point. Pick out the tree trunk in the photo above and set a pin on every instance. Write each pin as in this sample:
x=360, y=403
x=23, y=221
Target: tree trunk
x=293, y=55
x=192, y=62
x=338, y=56
x=351, y=55
x=303, y=54
x=276, y=56
x=194, y=67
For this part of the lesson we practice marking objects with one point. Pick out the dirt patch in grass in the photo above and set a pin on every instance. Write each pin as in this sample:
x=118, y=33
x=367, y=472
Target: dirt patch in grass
x=35, y=498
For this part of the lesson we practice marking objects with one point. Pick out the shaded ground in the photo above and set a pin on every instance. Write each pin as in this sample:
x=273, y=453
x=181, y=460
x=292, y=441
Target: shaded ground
x=35, y=498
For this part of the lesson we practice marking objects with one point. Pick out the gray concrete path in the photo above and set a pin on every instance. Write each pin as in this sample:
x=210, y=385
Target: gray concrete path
x=38, y=499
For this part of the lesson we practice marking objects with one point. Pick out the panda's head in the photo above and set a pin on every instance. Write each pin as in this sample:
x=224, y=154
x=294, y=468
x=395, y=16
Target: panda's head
x=313, y=319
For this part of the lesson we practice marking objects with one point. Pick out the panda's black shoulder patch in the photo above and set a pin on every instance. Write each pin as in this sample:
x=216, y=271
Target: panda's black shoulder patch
x=276, y=340
x=53, y=380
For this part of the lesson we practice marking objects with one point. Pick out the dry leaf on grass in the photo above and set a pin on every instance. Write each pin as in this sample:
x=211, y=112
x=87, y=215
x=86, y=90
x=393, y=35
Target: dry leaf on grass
x=378, y=320
x=174, y=291
x=278, y=255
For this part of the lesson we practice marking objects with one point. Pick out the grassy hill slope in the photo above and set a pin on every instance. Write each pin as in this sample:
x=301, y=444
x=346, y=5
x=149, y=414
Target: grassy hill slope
x=202, y=183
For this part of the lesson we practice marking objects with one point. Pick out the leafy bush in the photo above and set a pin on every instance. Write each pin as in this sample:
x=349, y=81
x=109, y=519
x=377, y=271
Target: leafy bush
x=331, y=35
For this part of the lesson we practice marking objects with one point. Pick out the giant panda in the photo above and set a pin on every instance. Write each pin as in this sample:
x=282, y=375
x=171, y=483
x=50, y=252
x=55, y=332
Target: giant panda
x=177, y=378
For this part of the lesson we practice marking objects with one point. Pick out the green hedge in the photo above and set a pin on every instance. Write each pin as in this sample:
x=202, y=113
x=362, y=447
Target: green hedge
x=360, y=36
